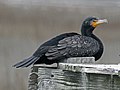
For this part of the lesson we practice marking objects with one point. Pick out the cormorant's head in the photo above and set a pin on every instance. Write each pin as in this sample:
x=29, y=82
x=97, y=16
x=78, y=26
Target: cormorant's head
x=90, y=23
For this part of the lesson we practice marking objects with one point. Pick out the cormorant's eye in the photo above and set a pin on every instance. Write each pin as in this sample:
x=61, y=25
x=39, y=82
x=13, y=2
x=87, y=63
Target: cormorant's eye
x=86, y=22
x=94, y=20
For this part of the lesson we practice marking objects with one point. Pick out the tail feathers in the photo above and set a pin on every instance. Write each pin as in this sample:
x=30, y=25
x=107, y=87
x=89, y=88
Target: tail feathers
x=31, y=62
x=26, y=62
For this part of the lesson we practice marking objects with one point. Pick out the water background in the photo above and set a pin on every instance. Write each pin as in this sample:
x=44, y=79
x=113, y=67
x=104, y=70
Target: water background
x=25, y=24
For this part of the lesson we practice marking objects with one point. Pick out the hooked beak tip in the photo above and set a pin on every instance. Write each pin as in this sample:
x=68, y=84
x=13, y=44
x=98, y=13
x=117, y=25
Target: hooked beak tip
x=102, y=21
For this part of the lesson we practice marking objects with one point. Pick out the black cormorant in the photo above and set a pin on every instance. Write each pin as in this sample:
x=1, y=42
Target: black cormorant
x=68, y=45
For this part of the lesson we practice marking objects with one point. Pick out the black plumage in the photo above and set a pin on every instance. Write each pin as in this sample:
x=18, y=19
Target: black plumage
x=68, y=45
x=74, y=46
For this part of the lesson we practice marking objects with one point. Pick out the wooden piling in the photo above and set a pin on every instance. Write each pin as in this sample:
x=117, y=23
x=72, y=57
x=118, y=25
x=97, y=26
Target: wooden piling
x=42, y=75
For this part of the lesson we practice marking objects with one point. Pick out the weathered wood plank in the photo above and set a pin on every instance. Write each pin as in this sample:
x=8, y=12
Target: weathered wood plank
x=42, y=74
x=33, y=79
x=79, y=60
x=112, y=69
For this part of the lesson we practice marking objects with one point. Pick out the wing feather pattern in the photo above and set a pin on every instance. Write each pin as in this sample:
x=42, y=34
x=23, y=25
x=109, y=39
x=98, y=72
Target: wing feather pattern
x=75, y=46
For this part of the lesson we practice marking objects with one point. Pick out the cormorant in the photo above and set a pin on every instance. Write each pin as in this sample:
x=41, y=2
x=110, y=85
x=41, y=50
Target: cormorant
x=69, y=45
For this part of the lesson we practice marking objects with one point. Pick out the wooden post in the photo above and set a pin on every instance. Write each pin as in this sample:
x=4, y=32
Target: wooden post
x=42, y=76
x=79, y=60
x=33, y=79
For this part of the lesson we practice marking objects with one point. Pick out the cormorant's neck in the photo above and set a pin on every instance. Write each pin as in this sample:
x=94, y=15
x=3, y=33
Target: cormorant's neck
x=87, y=31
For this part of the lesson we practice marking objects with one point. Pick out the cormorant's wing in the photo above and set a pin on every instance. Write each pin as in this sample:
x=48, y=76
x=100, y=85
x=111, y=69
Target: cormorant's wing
x=41, y=50
x=52, y=42
x=56, y=39
x=75, y=46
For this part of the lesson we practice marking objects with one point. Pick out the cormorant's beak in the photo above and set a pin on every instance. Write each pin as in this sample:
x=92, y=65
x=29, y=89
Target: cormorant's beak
x=98, y=22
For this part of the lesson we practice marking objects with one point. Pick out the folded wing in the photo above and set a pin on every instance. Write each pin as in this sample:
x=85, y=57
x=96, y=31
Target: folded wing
x=75, y=46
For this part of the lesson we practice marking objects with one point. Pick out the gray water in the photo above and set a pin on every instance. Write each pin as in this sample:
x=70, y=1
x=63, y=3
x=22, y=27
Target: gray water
x=55, y=79
x=25, y=24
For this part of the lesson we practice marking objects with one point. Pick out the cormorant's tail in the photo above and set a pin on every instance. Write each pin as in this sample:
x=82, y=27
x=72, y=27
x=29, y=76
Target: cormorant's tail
x=26, y=62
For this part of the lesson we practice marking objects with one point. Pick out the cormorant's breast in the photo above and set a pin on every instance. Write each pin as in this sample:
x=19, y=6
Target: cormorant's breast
x=100, y=52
